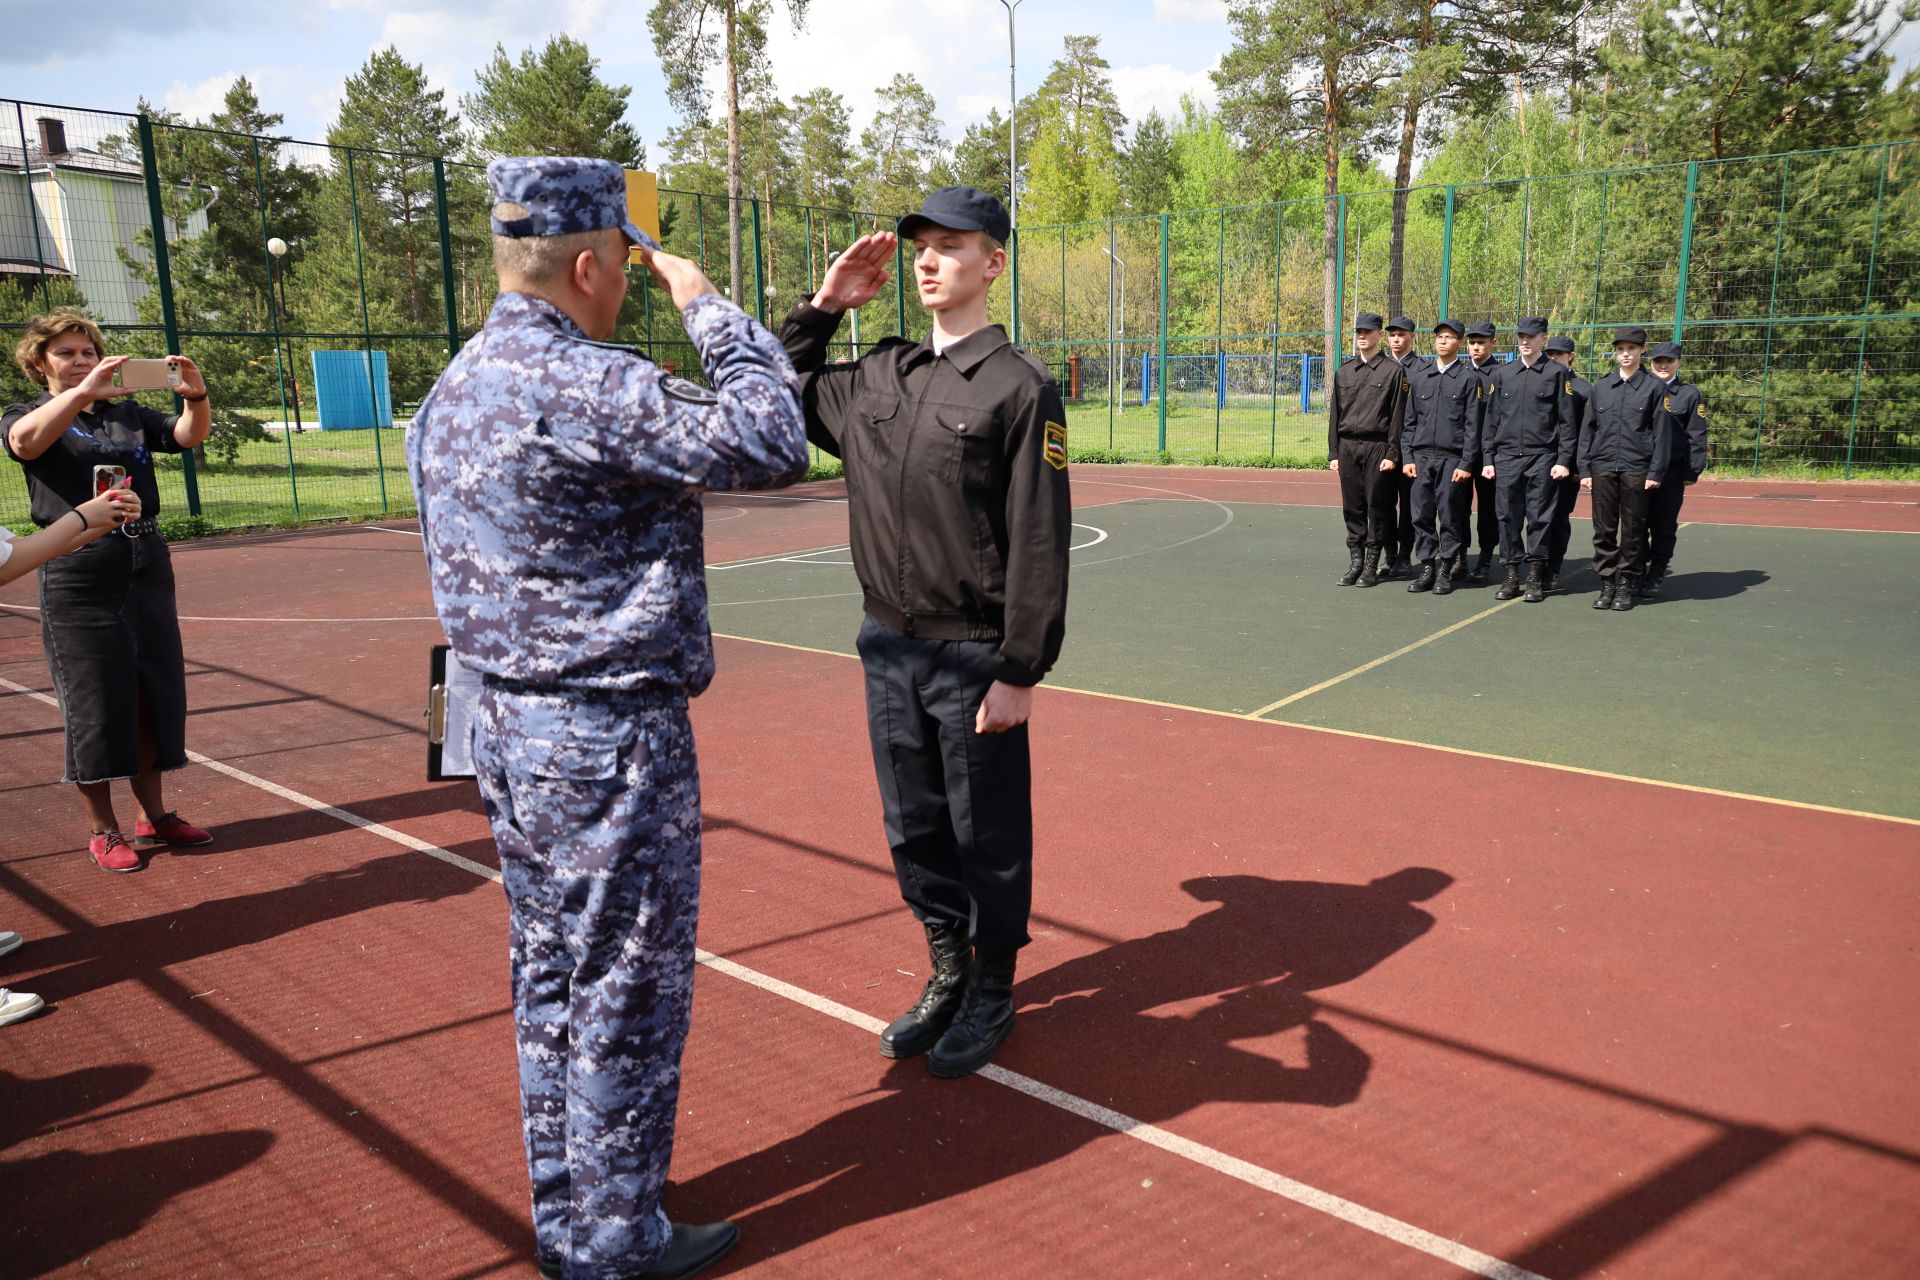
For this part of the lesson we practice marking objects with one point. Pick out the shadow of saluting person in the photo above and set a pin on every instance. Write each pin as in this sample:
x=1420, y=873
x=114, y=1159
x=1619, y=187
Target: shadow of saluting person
x=1146, y=1026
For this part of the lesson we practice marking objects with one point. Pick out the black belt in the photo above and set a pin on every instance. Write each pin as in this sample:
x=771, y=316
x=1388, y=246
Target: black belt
x=935, y=626
x=140, y=527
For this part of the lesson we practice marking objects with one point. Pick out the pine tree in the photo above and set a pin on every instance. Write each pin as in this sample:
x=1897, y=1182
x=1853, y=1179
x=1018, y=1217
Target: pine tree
x=553, y=103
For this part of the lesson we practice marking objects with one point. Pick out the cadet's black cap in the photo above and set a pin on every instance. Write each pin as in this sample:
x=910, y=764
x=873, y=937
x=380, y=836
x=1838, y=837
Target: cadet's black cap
x=1531, y=326
x=1401, y=322
x=1481, y=329
x=1630, y=333
x=1666, y=351
x=1560, y=342
x=1367, y=320
x=961, y=208
x=1449, y=323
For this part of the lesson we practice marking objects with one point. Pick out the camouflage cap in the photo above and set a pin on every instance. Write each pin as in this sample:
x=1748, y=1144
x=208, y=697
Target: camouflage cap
x=559, y=195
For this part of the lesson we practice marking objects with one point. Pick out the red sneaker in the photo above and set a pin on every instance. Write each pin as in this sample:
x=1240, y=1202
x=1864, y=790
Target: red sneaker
x=171, y=829
x=111, y=852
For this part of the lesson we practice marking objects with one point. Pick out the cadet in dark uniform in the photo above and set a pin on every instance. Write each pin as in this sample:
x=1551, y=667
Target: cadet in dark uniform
x=1486, y=503
x=1441, y=438
x=1365, y=408
x=1527, y=443
x=1566, y=492
x=1623, y=455
x=559, y=481
x=1399, y=552
x=1686, y=421
x=956, y=458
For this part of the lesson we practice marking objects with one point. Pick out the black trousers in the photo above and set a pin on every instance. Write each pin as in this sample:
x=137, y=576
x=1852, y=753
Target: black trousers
x=1439, y=506
x=1619, y=523
x=1366, y=492
x=1526, y=492
x=1561, y=536
x=1486, y=505
x=958, y=805
x=1400, y=537
x=1663, y=517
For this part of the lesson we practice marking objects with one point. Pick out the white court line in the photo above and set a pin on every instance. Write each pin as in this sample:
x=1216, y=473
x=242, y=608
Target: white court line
x=380, y=528
x=1371, y=1220
x=193, y=617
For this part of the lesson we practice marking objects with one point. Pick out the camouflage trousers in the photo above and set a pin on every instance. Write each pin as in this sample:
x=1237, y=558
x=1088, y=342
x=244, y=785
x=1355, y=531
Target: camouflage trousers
x=595, y=806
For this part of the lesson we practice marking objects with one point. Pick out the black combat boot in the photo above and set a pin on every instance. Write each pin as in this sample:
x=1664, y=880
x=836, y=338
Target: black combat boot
x=1536, y=582
x=1509, y=585
x=1397, y=564
x=1605, y=599
x=1623, y=598
x=1649, y=584
x=1480, y=564
x=1369, y=567
x=915, y=1031
x=1553, y=576
x=1444, y=587
x=985, y=1019
x=1352, y=575
x=1428, y=575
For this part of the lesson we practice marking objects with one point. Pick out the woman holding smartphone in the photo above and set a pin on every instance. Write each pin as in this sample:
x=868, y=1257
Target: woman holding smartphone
x=107, y=615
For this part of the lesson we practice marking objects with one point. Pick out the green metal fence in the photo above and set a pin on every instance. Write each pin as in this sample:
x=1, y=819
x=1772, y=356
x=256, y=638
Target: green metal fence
x=1198, y=334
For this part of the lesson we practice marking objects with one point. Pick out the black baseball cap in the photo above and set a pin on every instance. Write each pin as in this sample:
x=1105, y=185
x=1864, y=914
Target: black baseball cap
x=1367, y=320
x=962, y=209
x=1401, y=322
x=1630, y=333
x=1665, y=351
x=1560, y=342
x=1531, y=326
x=1449, y=323
x=1481, y=329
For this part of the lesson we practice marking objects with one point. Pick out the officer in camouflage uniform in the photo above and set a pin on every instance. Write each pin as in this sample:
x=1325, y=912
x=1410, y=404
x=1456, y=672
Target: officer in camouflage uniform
x=559, y=481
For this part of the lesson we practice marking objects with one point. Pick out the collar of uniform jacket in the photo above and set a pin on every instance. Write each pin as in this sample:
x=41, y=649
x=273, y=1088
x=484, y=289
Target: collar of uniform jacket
x=521, y=308
x=966, y=354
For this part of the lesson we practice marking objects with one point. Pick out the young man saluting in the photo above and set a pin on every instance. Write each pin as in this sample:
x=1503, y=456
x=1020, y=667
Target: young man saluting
x=956, y=461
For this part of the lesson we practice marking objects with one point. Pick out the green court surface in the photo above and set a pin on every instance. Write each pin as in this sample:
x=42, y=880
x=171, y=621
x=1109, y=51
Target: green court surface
x=1779, y=663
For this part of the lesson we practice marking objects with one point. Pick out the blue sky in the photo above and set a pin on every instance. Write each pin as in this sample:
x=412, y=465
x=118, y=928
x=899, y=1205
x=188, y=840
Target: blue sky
x=184, y=57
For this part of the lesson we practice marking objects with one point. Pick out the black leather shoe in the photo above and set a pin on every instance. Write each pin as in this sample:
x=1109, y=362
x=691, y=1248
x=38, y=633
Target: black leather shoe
x=1396, y=566
x=1605, y=599
x=1650, y=584
x=1552, y=581
x=1509, y=585
x=1428, y=576
x=1369, y=567
x=984, y=1022
x=915, y=1031
x=1444, y=587
x=693, y=1250
x=1352, y=575
x=1536, y=583
x=1480, y=564
x=1623, y=598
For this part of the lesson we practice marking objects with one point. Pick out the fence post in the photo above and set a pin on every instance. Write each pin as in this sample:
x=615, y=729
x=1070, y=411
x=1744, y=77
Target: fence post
x=759, y=267
x=1339, y=272
x=1686, y=251
x=163, y=281
x=446, y=257
x=1773, y=297
x=33, y=210
x=273, y=309
x=899, y=289
x=1306, y=382
x=1866, y=303
x=1600, y=253
x=1220, y=327
x=1163, y=332
x=1526, y=234
x=1273, y=412
x=1446, y=254
x=366, y=330
x=1014, y=236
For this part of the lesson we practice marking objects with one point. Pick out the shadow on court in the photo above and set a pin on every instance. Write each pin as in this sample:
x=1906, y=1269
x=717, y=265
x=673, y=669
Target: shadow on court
x=1149, y=1025
x=1710, y=584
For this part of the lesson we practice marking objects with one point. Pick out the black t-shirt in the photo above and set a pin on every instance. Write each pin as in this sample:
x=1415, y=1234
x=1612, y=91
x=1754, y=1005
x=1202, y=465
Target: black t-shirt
x=107, y=432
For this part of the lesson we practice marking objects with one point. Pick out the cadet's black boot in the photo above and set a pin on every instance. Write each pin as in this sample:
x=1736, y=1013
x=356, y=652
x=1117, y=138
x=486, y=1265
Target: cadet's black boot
x=1352, y=575
x=1536, y=582
x=1428, y=575
x=1509, y=585
x=1397, y=565
x=1444, y=587
x=1605, y=599
x=1553, y=576
x=1369, y=567
x=1480, y=562
x=915, y=1031
x=1459, y=564
x=1623, y=598
x=985, y=1019
x=1649, y=585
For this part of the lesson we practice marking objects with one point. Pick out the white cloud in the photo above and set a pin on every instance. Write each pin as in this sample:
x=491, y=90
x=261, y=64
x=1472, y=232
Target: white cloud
x=1160, y=87
x=198, y=101
x=1189, y=10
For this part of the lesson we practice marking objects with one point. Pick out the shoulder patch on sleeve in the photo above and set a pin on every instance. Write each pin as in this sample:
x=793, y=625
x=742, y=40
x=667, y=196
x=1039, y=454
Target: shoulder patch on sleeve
x=1666, y=402
x=1568, y=384
x=1701, y=409
x=679, y=388
x=1056, y=446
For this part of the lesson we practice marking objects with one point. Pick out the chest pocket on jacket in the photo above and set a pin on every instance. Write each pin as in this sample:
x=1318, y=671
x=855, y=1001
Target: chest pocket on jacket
x=969, y=442
x=877, y=427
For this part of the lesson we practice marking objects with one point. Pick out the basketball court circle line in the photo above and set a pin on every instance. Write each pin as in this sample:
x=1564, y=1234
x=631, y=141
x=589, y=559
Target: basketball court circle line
x=1358, y=1215
x=194, y=617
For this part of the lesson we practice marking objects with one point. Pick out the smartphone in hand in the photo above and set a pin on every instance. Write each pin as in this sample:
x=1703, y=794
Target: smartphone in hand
x=107, y=477
x=148, y=375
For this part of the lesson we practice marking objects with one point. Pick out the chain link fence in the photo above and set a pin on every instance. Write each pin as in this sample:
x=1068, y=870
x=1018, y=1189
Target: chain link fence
x=322, y=289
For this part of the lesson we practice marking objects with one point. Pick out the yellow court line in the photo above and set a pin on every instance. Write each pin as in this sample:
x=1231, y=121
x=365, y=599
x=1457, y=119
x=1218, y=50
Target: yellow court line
x=1578, y=770
x=1366, y=667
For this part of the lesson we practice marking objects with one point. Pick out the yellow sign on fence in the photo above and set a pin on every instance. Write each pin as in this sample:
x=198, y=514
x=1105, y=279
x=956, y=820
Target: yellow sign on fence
x=643, y=206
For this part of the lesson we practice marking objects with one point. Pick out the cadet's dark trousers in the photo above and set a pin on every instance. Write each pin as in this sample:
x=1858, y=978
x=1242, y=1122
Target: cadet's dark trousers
x=1486, y=505
x=1568, y=493
x=1527, y=490
x=1619, y=523
x=958, y=805
x=1439, y=506
x=1400, y=541
x=1366, y=492
x=1663, y=516
x=595, y=806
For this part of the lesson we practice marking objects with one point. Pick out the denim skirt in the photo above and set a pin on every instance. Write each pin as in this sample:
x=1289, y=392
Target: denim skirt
x=112, y=634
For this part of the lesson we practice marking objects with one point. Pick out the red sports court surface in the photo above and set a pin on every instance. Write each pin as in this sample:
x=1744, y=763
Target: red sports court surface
x=1300, y=1003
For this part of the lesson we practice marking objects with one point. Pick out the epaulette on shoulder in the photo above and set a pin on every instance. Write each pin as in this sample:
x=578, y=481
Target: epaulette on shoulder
x=1033, y=363
x=615, y=346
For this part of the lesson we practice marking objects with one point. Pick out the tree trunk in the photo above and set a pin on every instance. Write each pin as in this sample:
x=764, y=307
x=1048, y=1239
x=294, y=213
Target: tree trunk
x=1330, y=307
x=736, y=277
x=1402, y=176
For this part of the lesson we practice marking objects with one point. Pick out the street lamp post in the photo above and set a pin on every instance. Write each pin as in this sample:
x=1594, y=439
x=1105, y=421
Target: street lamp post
x=278, y=248
x=1112, y=328
x=1013, y=110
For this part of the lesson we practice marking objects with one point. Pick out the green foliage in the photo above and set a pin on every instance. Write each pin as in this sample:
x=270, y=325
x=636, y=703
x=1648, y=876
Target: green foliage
x=230, y=430
x=551, y=104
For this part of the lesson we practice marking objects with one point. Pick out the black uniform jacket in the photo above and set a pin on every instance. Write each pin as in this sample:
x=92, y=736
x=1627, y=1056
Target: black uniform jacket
x=956, y=485
x=1685, y=416
x=1529, y=411
x=1367, y=403
x=1621, y=429
x=1582, y=392
x=1444, y=411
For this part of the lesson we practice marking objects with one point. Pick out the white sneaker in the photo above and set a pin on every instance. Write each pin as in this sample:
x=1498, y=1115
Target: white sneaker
x=9, y=941
x=15, y=1005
